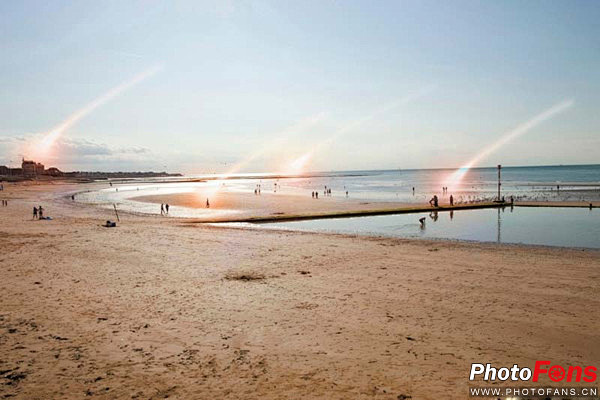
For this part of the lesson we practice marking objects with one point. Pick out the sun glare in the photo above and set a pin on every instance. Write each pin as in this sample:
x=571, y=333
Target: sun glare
x=41, y=148
x=299, y=164
x=456, y=177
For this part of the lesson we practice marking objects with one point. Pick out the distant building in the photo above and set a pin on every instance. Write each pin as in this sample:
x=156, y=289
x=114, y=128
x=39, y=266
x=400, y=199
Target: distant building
x=31, y=168
x=52, y=171
x=4, y=170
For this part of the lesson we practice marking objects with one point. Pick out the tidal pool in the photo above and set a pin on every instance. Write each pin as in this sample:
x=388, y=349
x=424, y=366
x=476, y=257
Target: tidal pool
x=567, y=227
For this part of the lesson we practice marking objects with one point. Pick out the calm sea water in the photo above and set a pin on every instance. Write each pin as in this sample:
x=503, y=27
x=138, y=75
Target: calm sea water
x=567, y=227
x=567, y=183
x=556, y=226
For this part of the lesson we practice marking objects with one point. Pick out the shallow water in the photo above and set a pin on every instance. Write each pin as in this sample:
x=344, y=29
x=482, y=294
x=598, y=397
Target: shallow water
x=577, y=183
x=567, y=227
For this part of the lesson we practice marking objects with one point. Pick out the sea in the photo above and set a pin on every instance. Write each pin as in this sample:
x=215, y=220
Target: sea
x=548, y=226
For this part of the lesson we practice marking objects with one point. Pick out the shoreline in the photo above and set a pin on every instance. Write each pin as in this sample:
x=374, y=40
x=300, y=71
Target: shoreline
x=395, y=211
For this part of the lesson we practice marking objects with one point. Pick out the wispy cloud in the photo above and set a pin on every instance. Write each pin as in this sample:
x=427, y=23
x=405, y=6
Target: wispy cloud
x=77, y=153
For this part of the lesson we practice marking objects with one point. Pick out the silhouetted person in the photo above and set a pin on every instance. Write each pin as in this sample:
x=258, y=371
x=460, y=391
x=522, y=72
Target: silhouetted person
x=451, y=200
x=207, y=204
x=167, y=208
x=40, y=212
x=316, y=195
x=35, y=211
x=434, y=201
x=422, y=222
x=162, y=208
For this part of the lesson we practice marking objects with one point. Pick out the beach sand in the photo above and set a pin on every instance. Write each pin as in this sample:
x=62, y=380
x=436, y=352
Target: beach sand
x=161, y=308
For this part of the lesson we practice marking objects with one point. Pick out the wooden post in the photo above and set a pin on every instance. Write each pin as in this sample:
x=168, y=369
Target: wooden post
x=115, y=206
x=499, y=182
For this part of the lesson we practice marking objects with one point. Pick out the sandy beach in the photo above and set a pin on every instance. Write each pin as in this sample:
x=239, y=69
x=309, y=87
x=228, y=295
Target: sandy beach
x=158, y=307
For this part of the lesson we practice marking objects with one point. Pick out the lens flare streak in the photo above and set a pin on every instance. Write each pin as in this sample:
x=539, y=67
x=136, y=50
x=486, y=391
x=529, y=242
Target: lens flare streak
x=459, y=174
x=306, y=157
x=46, y=143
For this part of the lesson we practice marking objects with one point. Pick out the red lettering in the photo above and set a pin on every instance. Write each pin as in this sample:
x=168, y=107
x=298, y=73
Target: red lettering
x=579, y=371
x=538, y=370
x=590, y=374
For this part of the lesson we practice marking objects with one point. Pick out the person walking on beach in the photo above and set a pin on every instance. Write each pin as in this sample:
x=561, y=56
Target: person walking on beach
x=207, y=204
x=40, y=212
x=451, y=200
x=313, y=194
x=316, y=195
x=35, y=212
x=162, y=209
x=167, y=207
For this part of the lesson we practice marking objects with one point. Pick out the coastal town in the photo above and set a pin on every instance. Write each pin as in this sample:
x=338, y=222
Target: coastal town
x=33, y=170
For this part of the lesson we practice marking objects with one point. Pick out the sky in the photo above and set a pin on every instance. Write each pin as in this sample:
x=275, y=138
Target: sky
x=277, y=86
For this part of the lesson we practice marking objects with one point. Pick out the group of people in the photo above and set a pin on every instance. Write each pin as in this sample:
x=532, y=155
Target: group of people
x=326, y=192
x=38, y=212
x=434, y=201
x=164, y=209
x=256, y=191
x=4, y=203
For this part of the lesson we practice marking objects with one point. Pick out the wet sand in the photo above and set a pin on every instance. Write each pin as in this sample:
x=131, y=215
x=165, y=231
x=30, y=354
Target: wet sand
x=268, y=207
x=158, y=307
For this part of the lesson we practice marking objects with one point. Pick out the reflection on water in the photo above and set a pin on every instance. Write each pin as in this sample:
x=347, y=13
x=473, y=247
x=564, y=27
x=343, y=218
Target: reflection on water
x=569, y=227
x=560, y=183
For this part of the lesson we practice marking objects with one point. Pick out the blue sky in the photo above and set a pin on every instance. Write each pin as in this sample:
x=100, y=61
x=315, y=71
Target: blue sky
x=434, y=83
